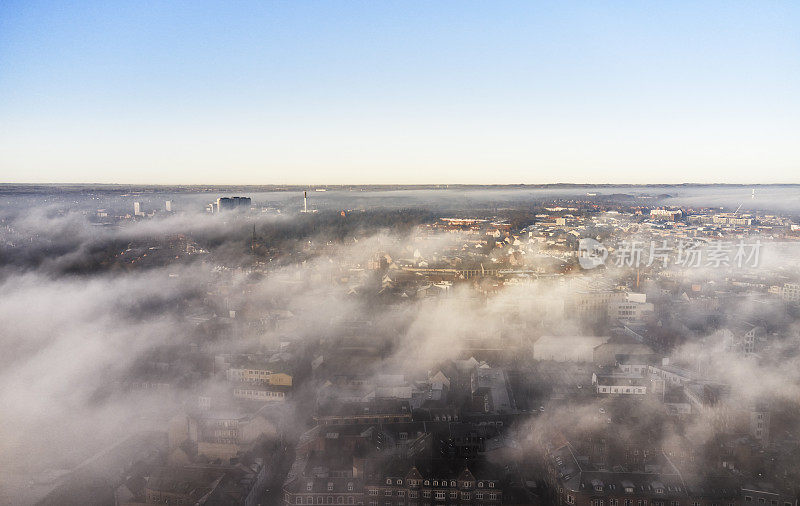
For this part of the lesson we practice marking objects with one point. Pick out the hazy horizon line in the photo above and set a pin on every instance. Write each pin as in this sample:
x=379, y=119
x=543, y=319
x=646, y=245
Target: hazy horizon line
x=442, y=186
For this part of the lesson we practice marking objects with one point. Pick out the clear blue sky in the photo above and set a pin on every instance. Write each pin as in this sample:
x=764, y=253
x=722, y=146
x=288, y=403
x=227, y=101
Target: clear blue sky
x=406, y=92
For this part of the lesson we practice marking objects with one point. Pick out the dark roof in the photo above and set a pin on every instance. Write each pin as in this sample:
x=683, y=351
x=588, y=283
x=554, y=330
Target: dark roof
x=319, y=485
x=608, y=482
x=439, y=469
x=191, y=482
x=612, y=483
x=375, y=407
x=713, y=487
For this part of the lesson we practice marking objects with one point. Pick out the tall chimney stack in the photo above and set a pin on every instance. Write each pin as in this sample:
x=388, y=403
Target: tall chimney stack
x=305, y=202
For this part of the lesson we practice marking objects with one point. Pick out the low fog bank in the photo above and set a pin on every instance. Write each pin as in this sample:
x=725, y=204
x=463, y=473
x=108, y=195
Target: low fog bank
x=90, y=336
x=95, y=318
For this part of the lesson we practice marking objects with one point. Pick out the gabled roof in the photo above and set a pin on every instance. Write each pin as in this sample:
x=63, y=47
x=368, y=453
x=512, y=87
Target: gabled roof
x=466, y=475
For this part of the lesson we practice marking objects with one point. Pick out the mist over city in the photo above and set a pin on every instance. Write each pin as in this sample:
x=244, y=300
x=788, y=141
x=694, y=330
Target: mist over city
x=404, y=345
x=451, y=253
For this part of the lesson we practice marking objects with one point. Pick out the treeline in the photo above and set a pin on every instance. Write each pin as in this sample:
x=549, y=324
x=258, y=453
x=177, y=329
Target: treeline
x=285, y=238
x=337, y=226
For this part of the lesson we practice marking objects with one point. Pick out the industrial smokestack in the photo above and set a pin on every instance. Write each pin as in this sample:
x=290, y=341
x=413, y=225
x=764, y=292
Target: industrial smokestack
x=305, y=202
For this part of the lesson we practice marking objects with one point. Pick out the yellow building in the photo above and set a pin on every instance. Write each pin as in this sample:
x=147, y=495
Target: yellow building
x=264, y=374
x=280, y=378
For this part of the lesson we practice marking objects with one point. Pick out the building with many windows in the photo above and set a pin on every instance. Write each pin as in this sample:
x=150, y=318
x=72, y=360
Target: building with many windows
x=372, y=412
x=412, y=488
x=620, y=383
x=578, y=482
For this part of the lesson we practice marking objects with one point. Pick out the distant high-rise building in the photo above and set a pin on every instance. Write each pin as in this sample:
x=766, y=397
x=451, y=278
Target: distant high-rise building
x=666, y=214
x=137, y=209
x=791, y=292
x=168, y=206
x=233, y=203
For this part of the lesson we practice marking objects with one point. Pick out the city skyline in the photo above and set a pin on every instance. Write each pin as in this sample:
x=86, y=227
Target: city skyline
x=458, y=253
x=523, y=347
